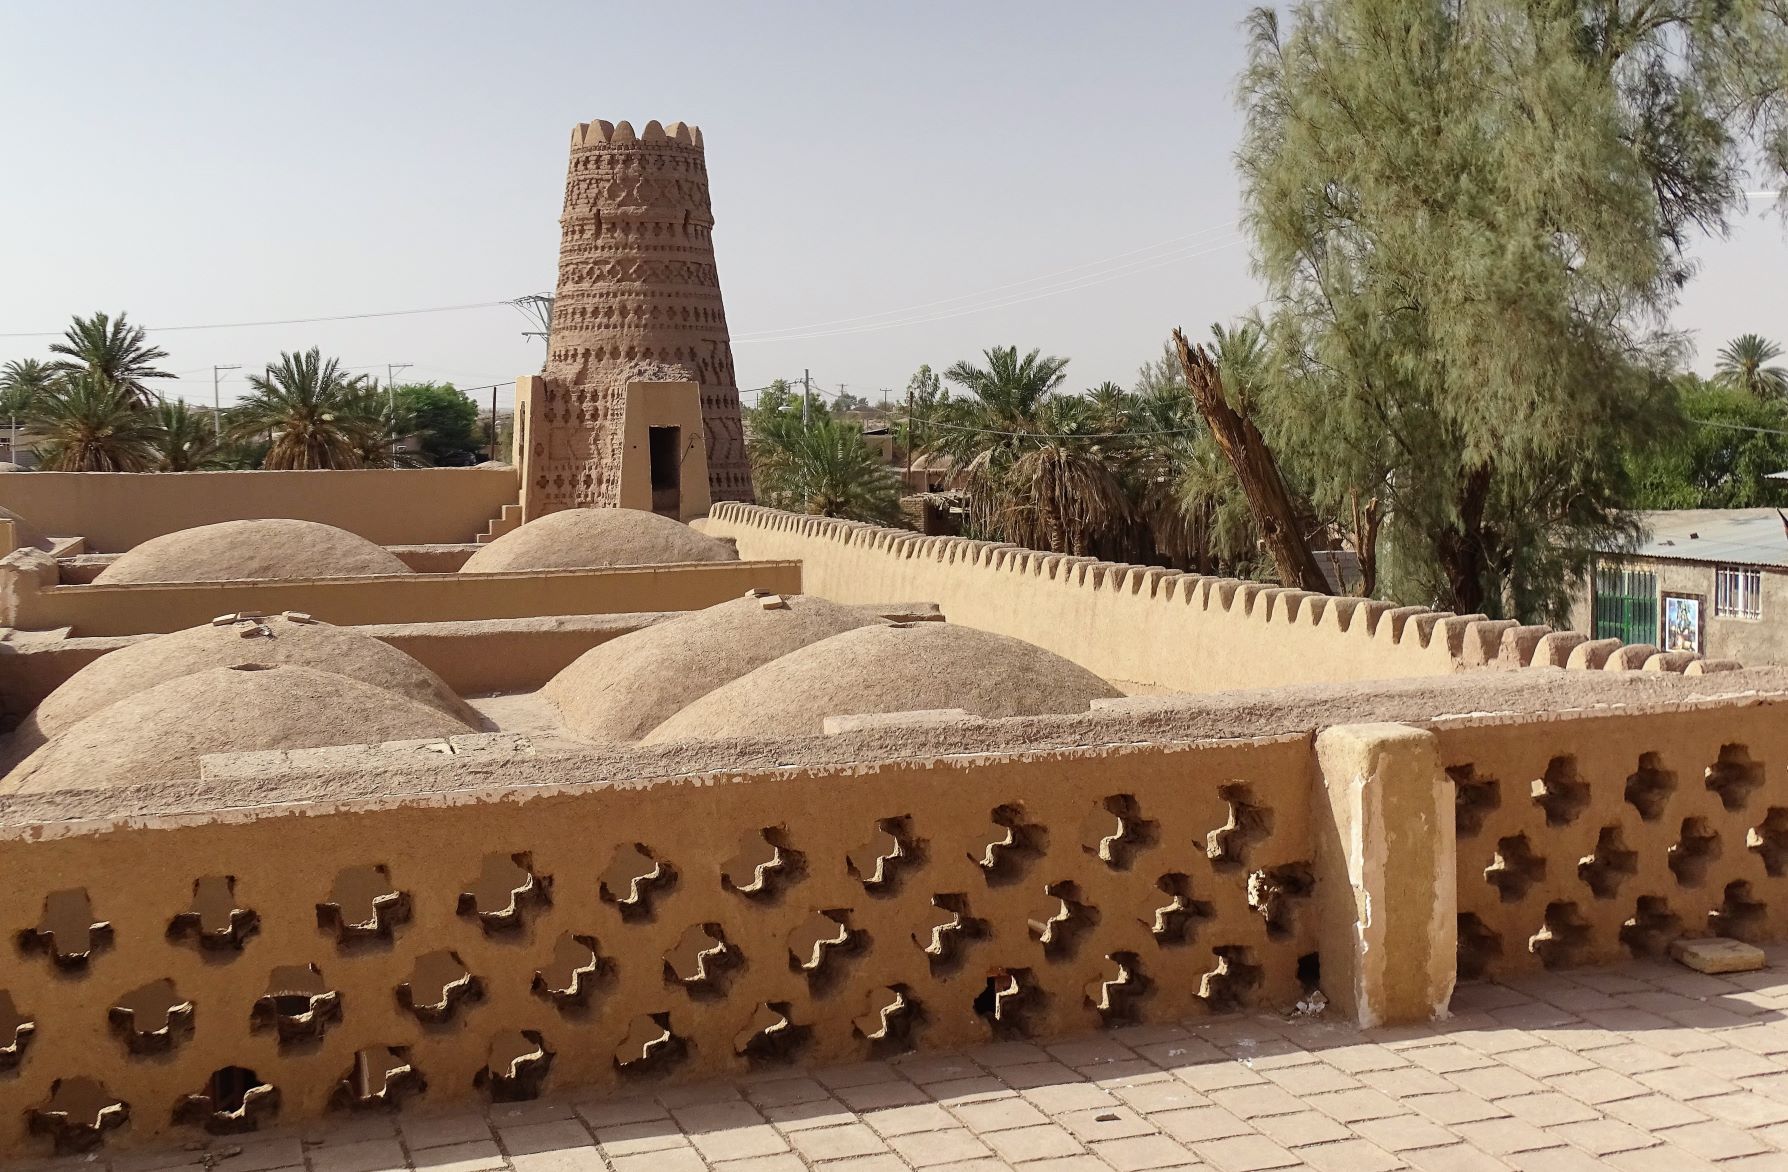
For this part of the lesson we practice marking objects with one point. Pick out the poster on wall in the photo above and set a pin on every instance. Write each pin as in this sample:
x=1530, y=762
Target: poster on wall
x=1682, y=622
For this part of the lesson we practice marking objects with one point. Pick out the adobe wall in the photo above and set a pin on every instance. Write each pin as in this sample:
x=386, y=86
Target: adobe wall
x=30, y=598
x=473, y=658
x=755, y=918
x=410, y=506
x=1149, y=629
x=682, y=911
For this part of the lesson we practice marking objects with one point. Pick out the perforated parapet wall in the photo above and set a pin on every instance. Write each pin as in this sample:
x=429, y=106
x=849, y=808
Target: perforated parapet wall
x=494, y=944
x=1595, y=839
x=638, y=300
x=1151, y=629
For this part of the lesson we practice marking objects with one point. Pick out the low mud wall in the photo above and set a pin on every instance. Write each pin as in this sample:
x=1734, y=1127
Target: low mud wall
x=1146, y=628
x=115, y=511
x=287, y=939
x=32, y=599
x=490, y=943
x=473, y=658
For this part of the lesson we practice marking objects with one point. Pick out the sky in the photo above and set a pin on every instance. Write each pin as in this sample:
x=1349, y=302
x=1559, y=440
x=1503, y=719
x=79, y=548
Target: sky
x=893, y=184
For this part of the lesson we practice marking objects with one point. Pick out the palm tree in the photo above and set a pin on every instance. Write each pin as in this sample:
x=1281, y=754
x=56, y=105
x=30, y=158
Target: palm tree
x=87, y=424
x=1040, y=468
x=823, y=468
x=317, y=414
x=116, y=351
x=1744, y=365
x=22, y=381
x=188, y=440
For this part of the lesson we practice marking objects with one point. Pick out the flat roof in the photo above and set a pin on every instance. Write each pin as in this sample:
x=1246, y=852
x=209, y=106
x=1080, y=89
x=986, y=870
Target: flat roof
x=1751, y=537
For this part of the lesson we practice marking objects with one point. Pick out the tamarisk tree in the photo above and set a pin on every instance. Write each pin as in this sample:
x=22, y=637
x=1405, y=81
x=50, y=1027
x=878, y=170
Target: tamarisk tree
x=1472, y=216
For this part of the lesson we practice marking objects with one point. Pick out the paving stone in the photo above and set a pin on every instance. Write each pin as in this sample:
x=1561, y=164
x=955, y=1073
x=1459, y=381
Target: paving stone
x=479, y=1156
x=1349, y=1155
x=1200, y=1123
x=554, y=1136
x=1251, y=1102
x=1402, y=1133
x=927, y=1149
x=1712, y=1140
x=785, y=1162
x=1455, y=1107
x=574, y=1160
x=628, y=1139
x=1060, y=1098
x=906, y=1120
x=367, y=1155
x=1144, y=1152
x=1598, y=1086
x=1457, y=1158
x=806, y=1116
x=1300, y=1128
x=968, y=1090
x=615, y=1112
x=435, y=1131
x=998, y=1114
x=1544, y=1060
x=1044, y=1141
x=1652, y=1112
x=1604, y=1137
x=738, y=1143
x=1217, y=1076
x=1097, y=1123
x=1499, y=1137
x=1168, y=1095
x=1407, y=1081
x=1245, y=1153
x=1038, y=1074
x=1547, y=1109
x=835, y=1143
x=1362, y=1057
x=1313, y=1079
x=782, y=1092
x=669, y=1160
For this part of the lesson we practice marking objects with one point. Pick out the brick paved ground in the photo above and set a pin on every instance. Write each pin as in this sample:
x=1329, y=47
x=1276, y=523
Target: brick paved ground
x=1638, y=1068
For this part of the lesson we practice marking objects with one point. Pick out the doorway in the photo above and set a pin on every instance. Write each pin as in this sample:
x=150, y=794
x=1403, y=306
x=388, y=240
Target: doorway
x=666, y=446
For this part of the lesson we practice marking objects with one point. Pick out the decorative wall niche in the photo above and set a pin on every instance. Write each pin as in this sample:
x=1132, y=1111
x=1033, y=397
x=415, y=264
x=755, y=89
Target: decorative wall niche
x=68, y=930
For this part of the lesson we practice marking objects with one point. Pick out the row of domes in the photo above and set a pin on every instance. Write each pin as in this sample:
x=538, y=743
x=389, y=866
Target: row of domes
x=778, y=666
x=278, y=548
x=760, y=667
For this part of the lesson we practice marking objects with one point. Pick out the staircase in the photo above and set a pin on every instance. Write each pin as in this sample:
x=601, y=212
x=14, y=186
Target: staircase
x=507, y=521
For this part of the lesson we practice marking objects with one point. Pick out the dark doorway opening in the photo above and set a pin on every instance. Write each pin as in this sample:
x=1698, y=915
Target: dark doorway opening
x=667, y=471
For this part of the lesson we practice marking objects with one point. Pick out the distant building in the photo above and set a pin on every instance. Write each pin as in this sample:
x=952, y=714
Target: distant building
x=1711, y=581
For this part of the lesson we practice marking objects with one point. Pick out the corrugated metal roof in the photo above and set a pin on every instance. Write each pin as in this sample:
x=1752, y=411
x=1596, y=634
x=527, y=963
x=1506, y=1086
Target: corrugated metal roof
x=1750, y=537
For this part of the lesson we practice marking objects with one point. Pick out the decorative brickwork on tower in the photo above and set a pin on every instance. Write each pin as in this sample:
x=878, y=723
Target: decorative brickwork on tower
x=638, y=301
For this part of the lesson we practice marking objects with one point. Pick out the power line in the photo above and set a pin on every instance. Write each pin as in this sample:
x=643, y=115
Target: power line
x=1130, y=269
x=291, y=321
x=1079, y=435
x=762, y=335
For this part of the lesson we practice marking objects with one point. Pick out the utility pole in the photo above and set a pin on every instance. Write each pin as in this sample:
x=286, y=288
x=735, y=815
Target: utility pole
x=493, y=422
x=911, y=439
x=217, y=399
x=806, y=395
x=391, y=369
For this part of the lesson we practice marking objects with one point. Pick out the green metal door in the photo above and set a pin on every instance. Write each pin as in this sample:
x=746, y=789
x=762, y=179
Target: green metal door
x=1626, y=604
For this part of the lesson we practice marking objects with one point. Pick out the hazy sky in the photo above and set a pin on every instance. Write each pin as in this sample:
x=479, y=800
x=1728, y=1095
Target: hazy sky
x=893, y=184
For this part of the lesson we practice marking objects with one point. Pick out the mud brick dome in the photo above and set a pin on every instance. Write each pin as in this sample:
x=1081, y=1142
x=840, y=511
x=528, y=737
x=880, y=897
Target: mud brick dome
x=576, y=539
x=271, y=547
x=637, y=287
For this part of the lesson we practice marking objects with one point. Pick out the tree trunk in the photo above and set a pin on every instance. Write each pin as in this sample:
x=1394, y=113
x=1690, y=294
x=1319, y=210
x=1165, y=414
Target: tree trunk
x=1365, y=541
x=1247, y=452
x=1460, y=548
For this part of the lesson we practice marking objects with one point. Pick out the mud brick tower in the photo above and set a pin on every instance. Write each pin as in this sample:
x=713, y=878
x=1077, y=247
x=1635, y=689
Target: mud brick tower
x=638, y=302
